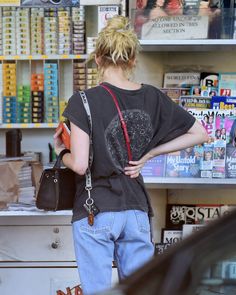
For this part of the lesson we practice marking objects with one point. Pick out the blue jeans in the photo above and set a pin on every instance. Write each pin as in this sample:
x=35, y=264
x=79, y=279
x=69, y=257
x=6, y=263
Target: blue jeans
x=121, y=236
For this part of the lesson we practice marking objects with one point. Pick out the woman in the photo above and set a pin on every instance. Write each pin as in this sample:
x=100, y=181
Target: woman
x=155, y=125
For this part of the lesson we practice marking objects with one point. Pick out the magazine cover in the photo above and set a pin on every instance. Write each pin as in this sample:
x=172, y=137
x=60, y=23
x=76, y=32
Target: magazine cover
x=226, y=209
x=230, y=162
x=207, y=161
x=225, y=126
x=182, y=164
x=179, y=214
x=227, y=84
x=189, y=229
x=171, y=236
x=223, y=102
x=209, y=79
x=154, y=167
x=161, y=247
x=219, y=155
x=175, y=93
x=206, y=213
x=198, y=102
x=207, y=119
x=172, y=168
x=176, y=20
x=181, y=80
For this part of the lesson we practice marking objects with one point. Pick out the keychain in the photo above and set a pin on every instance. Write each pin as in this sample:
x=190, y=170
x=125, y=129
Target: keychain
x=91, y=208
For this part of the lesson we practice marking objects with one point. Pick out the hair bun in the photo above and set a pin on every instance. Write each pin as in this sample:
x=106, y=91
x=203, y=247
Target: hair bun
x=117, y=23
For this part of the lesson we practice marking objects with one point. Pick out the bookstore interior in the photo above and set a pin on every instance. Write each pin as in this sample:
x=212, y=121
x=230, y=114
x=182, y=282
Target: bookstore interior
x=187, y=51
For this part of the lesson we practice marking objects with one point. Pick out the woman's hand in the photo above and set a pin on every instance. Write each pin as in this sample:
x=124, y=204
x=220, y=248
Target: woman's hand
x=58, y=144
x=136, y=166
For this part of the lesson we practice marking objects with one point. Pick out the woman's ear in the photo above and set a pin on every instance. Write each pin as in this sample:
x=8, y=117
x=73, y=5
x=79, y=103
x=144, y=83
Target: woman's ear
x=133, y=62
x=97, y=60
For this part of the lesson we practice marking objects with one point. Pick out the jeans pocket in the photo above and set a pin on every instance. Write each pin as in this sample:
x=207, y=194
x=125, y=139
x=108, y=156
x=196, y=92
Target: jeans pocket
x=142, y=221
x=103, y=223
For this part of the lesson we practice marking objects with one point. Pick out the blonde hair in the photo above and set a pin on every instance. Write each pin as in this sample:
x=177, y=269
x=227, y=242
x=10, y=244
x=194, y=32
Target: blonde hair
x=117, y=45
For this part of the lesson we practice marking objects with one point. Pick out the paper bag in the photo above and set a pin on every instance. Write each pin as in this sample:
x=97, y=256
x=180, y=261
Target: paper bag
x=9, y=184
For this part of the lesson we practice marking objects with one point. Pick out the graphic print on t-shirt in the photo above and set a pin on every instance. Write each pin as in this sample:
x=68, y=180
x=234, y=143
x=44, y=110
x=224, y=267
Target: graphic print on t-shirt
x=140, y=132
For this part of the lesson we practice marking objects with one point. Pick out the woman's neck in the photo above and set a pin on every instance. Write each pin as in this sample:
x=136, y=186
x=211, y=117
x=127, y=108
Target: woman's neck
x=117, y=77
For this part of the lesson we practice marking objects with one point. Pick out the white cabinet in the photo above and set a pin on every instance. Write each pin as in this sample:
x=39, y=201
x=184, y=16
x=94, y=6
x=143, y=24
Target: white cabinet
x=47, y=243
x=37, y=254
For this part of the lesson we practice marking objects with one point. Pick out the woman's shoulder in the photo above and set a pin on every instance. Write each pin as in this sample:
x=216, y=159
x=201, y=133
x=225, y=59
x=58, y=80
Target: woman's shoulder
x=153, y=91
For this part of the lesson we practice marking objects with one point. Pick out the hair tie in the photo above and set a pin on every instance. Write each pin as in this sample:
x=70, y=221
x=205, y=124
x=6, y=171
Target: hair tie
x=120, y=30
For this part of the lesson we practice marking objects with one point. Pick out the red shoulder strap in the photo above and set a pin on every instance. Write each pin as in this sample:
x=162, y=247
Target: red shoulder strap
x=122, y=121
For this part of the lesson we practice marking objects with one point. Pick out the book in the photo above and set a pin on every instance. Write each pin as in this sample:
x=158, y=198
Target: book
x=219, y=155
x=65, y=135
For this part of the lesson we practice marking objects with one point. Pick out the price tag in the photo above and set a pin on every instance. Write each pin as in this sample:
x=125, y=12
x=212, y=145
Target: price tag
x=24, y=125
x=16, y=57
x=64, y=56
x=30, y=57
x=44, y=56
x=37, y=125
x=2, y=57
x=78, y=56
x=51, y=125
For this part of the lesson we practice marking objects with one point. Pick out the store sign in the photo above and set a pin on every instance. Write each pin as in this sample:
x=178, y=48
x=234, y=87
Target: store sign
x=176, y=28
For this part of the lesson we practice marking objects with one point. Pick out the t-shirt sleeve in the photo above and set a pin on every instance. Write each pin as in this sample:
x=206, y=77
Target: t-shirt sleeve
x=76, y=113
x=172, y=120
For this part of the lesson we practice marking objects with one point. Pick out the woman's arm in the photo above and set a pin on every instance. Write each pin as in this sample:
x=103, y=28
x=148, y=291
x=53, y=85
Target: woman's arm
x=77, y=159
x=195, y=135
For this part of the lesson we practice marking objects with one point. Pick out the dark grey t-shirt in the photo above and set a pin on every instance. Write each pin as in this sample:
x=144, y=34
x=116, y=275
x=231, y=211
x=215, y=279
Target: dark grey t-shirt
x=151, y=117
